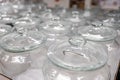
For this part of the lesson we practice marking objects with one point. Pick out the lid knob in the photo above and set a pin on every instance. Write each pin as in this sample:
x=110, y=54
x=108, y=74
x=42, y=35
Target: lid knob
x=77, y=41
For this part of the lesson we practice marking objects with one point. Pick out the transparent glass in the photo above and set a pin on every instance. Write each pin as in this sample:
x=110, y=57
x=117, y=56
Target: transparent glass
x=13, y=63
x=75, y=60
x=55, y=29
x=7, y=14
x=47, y=14
x=52, y=72
x=60, y=11
x=18, y=5
x=27, y=23
x=16, y=50
x=105, y=36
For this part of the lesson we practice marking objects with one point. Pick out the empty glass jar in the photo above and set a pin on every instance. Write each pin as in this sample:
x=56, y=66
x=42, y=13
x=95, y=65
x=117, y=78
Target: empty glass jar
x=105, y=36
x=76, y=59
x=7, y=14
x=27, y=23
x=16, y=49
x=55, y=29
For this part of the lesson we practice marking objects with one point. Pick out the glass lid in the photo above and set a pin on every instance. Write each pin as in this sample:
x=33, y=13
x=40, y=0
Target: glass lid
x=55, y=27
x=112, y=23
x=75, y=17
x=47, y=14
x=113, y=13
x=77, y=54
x=27, y=19
x=8, y=18
x=109, y=21
x=97, y=32
x=5, y=29
x=16, y=42
x=60, y=11
x=31, y=10
x=28, y=23
x=7, y=13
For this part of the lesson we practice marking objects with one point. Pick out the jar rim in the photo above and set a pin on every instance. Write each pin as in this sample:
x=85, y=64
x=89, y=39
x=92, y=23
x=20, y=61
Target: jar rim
x=12, y=47
x=55, y=59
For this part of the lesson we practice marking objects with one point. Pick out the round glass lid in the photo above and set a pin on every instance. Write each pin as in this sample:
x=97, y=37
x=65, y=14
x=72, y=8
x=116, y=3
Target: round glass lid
x=97, y=33
x=55, y=27
x=28, y=23
x=47, y=14
x=75, y=17
x=4, y=29
x=8, y=18
x=7, y=14
x=77, y=54
x=27, y=20
x=16, y=42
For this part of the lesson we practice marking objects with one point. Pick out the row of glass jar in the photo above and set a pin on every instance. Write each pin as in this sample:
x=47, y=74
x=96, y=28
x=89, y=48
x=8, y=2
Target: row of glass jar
x=79, y=50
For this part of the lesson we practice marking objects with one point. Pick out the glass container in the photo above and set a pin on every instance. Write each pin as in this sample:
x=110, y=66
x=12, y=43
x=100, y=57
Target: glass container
x=112, y=20
x=47, y=14
x=16, y=50
x=76, y=59
x=55, y=29
x=7, y=14
x=27, y=23
x=105, y=36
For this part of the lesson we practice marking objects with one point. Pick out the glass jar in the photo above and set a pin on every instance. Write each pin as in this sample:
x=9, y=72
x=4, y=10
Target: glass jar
x=105, y=36
x=76, y=59
x=16, y=50
x=112, y=20
x=73, y=15
x=60, y=11
x=47, y=14
x=18, y=5
x=55, y=29
x=27, y=23
x=7, y=14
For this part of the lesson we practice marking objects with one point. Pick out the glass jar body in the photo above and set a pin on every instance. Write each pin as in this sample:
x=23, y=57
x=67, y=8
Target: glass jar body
x=53, y=72
x=113, y=55
x=14, y=63
x=112, y=47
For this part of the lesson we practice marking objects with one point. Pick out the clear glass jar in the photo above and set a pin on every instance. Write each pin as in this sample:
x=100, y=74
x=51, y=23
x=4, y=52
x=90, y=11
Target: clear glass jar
x=16, y=50
x=27, y=23
x=112, y=20
x=18, y=5
x=60, y=11
x=73, y=15
x=47, y=14
x=55, y=29
x=105, y=36
x=76, y=59
x=7, y=14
